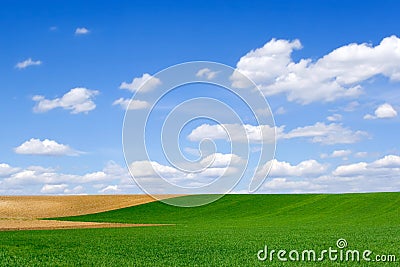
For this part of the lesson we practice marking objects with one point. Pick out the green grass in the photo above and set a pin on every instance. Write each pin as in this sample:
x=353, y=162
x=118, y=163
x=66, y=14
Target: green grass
x=228, y=232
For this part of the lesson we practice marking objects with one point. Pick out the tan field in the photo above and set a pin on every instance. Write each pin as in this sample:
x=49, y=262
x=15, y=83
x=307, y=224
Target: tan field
x=24, y=212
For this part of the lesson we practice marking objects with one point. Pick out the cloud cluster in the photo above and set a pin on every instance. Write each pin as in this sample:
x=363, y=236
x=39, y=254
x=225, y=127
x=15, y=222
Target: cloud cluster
x=338, y=74
x=380, y=175
x=214, y=166
x=328, y=134
x=235, y=132
x=77, y=100
x=45, y=148
x=39, y=180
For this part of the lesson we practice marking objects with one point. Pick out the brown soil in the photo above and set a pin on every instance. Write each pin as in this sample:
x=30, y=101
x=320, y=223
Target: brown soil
x=32, y=224
x=23, y=212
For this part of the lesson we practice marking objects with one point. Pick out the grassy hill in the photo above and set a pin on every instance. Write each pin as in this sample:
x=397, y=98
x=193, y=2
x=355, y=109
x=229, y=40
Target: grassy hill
x=265, y=210
x=228, y=232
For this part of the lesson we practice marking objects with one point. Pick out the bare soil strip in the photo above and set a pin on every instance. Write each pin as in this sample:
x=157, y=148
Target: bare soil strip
x=12, y=225
x=60, y=206
x=24, y=212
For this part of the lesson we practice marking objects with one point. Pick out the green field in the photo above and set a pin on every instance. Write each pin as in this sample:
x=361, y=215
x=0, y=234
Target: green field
x=228, y=232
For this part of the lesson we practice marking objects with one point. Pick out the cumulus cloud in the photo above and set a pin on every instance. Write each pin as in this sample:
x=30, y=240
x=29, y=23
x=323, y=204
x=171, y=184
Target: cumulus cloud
x=292, y=186
x=81, y=31
x=307, y=168
x=207, y=73
x=27, y=63
x=127, y=104
x=46, y=148
x=6, y=169
x=384, y=111
x=78, y=100
x=146, y=83
x=338, y=74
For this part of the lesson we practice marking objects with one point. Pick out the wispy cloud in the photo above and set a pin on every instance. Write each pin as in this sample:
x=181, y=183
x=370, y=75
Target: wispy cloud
x=127, y=104
x=27, y=63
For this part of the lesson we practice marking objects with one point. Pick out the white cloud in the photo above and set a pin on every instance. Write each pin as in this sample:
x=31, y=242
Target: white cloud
x=53, y=188
x=338, y=74
x=235, y=132
x=307, y=168
x=78, y=100
x=380, y=175
x=389, y=161
x=6, y=169
x=319, y=133
x=110, y=189
x=326, y=134
x=286, y=185
x=264, y=64
x=145, y=83
x=334, y=117
x=207, y=73
x=127, y=104
x=76, y=190
x=388, y=165
x=384, y=111
x=343, y=153
x=81, y=31
x=210, y=168
x=26, y=63
x=46, y=147
x=340, y=153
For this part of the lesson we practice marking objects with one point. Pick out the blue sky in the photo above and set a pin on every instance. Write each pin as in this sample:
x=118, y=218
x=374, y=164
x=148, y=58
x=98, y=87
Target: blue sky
x=332, y=138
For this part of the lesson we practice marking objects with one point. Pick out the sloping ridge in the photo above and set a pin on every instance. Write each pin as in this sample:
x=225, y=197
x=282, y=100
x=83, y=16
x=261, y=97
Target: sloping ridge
x=258, y=209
